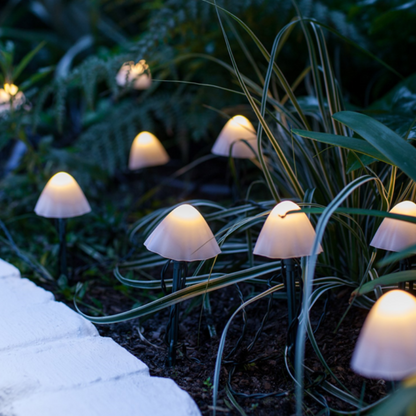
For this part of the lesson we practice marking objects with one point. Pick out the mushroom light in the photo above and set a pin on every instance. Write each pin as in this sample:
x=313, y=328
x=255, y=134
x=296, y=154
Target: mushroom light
x=287, y=237
x=232, y=138
x=146, y=150
x=137, y=75
x=395, y=235
x=62, y=198
x=386, y=347
x=183, y=236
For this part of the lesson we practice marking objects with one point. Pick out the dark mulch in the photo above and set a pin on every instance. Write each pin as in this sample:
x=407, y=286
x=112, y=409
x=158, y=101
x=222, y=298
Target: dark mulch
x=262, y=371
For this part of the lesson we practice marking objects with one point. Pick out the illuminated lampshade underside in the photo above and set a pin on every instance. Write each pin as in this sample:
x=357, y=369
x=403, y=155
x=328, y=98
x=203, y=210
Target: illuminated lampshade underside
x=137, y=75
x=286, y=236
x=386, y=347
x=146, y=150
x=62, y=198
x=232, y=134
x=183, y=235
x=396, y=235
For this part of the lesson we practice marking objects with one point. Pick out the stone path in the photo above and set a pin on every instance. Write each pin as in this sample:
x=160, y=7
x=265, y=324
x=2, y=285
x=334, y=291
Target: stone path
x=54, y=363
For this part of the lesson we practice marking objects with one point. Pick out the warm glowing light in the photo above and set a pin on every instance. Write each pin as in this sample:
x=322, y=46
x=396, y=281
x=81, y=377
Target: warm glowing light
x=397, y=303
x=138, y=75
x=283, y=208
x=387, y=342
x=183, y=235
x=286, y=236
x=233, y=136
x=62, y=198
x=10, y=98
x=146, y=150
x=11, y=89
x=396, y=235
x=145, y=138
x=186, y=212
x=61, y=179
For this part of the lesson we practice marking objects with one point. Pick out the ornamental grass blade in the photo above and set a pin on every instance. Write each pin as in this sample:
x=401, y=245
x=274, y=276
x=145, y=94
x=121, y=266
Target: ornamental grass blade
x=308, y=278
x=401, y=153
x=183, y=294
x=221, y=346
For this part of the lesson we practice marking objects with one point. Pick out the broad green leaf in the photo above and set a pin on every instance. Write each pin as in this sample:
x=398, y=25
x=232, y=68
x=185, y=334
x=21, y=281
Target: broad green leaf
x=386, y=141
x=356, y=161
x=387, y=280
x=350, y=143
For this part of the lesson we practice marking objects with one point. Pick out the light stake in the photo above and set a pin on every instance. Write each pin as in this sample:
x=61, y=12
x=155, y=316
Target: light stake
x=395, y=235
x=386, y=346
x=62, y=198
x=182, y=237
x=287, y=237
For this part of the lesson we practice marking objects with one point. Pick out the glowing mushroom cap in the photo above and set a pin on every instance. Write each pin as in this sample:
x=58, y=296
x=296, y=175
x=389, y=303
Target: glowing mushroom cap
x=183, y=235
x=396, y=235
x=235, y=130
x=386, y=347
x=146, y=150
x=139, y=75
x=11, y=89
x=62, y=198
x=10, y=97
x=286, y=236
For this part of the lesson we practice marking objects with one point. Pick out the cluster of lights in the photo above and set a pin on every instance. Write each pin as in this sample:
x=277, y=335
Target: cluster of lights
x=386, y=347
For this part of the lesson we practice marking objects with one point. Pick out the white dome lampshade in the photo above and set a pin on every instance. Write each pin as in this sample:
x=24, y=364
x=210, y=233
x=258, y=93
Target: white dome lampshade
x=236, y=129
x=183, y=235
x=396, y=235
x=139, y=75
x=286, y=236
x=146, y=150
x=386, y=346
x=62, y=197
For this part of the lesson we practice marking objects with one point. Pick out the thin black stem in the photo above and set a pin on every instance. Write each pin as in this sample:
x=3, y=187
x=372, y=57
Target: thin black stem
x=63, y=268
x=178, y=283
x=290, y=272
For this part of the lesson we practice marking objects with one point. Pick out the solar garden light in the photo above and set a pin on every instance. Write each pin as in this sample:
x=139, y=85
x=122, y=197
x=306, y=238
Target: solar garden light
x=62, y=198
x=183, y=236
x=137, y=75
x=233, y=140
x=396, y=235
x=146, y=150
x=10, y=97
x=386, y=346
x=287, y=237
x=232, y=136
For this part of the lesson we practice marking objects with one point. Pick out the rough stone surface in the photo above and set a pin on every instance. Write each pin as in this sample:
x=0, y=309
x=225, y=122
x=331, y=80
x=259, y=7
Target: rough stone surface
x=52, y=362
